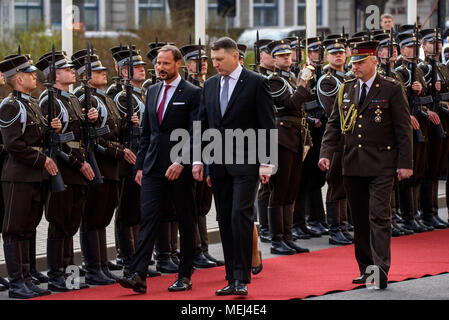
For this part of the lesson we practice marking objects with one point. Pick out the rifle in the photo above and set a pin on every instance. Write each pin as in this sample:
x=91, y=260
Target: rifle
x=130, y=132
x=390, y=55
x=256, y=54
x=320, y=59
x=199, y=64
x=434, y=77
x=54, y=140
x=91, y=134
x=296, y=66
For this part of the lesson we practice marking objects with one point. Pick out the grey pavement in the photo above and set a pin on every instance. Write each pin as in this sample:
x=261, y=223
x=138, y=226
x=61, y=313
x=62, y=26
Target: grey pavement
x=434, y=287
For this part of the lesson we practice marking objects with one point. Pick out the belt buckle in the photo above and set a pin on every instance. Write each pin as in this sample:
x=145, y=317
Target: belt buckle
x=303, y=122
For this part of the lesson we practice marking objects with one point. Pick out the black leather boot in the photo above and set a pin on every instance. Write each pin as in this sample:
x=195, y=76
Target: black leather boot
x=288, y=225
x=125, y=240
x=55, y=253
x=333, y=214
x=37, y=277
x=165, y=264
x=91, y=251
x=264, y=228
x=431, y=218
x=407, y=203
x=200, y=261
x=343, y=218
x=104, y=255
x=276, y=218
x=26, y=274
x=17, y=287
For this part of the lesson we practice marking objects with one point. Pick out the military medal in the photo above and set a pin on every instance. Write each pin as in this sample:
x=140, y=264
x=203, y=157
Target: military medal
x=377, y=118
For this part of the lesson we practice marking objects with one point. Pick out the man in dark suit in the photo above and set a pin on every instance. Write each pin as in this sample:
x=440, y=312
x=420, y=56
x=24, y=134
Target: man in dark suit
x=371, y=116
x=235, y=98
x=170, y=105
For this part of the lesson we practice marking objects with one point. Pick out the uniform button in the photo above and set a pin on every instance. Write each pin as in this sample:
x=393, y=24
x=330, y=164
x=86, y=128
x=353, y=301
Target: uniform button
x=360, y=116
x=360, y=145
x=359, y=136
x=281, y=123
x=388, y=148
x=360, y=125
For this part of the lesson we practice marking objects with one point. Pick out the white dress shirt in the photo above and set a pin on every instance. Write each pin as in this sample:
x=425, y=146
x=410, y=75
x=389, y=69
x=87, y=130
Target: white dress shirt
x=369, y=83
x=233, y=78
x=173, y=85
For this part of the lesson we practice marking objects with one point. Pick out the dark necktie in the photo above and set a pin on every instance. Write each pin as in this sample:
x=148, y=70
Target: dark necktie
x=160, y=110
x=363, y=94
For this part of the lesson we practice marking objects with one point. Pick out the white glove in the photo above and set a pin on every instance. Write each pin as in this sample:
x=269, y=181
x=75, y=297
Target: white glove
x=307, y=73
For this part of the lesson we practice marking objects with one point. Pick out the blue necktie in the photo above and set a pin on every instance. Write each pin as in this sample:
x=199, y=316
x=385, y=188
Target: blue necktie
x=224, y=95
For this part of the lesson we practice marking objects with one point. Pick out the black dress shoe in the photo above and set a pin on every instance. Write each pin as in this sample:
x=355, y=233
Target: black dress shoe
x=446, y=223
x=57, y=284
x=217, y=262
x=280, y=247
x=433, y=222
x=240, y=288
x=349, y=227
x=152, y=273
x=114, y=266
x=200, y=261
x=296, y=247
x=97, y=278
x=40, y=292
x=347, y=235
x=2, y=288
x=175, y=259
x=258, y=269
x=413, y=225
x=166, y=265
x=40, y=277
x=395, y=232
x=297, y=233
x=183, y=284
x=361, y=279
x=19, y=290
x=265, y=236
x=4, y=282
x=134, y=282
x=318, y=227
x=337, y=238
x=314, y=233
x=226, y=291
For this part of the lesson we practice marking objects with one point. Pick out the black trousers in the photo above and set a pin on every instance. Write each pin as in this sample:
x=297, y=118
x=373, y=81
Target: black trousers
x=64, y=211
x=369, y=201
x=234, y=200
x=23, y=209
x=154, y=187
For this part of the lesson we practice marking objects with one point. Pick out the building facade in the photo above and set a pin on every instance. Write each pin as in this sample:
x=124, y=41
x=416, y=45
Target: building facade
x=131, y=14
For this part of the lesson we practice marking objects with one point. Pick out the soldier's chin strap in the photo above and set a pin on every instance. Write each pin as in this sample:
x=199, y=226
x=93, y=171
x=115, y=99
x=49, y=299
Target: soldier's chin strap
x=351, y=116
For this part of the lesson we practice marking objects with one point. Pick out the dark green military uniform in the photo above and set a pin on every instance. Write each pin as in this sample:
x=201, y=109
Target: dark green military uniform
x=290, y=122
x=377, y=141
x=438, y=150
x=22, y=128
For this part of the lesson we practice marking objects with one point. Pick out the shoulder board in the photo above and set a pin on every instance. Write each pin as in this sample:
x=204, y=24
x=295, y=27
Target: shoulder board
x=390, y=79
x=349, y=80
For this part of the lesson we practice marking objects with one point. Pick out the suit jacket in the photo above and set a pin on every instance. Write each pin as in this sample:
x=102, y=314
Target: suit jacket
x=381, y=141
x=155, y=145
x=250, y=107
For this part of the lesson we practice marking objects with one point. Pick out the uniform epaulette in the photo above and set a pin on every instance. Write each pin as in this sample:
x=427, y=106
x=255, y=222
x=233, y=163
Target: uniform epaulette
x=349, y=80
x=389, y=78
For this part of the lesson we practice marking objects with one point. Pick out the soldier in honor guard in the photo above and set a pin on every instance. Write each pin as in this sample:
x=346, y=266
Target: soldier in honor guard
x=152, y=56
x=309, y=201
x=117, y=85
x=437, y=73
x=127, y=214
x=372, y=118
x=265, y=68
x=102, y=198
x=4, y=284
x=288, y=95
x=242, y=51
x=387, y=53
x=23, y=129
x=65, y=209
x=327, y=89
x=193, y=55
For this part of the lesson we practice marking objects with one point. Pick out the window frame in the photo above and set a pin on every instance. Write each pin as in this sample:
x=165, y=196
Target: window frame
x=264, y=7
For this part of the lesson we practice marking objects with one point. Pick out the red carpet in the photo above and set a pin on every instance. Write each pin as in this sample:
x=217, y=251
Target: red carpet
x=297, y=276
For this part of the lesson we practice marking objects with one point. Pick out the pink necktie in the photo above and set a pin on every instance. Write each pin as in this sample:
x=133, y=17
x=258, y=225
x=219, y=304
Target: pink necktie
x=160, y=110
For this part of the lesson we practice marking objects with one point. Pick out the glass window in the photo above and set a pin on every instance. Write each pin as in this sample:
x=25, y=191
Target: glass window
x=27, y=12
x=152, y=11
x=265, y=12
x=91, y=15
x=302, y=13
